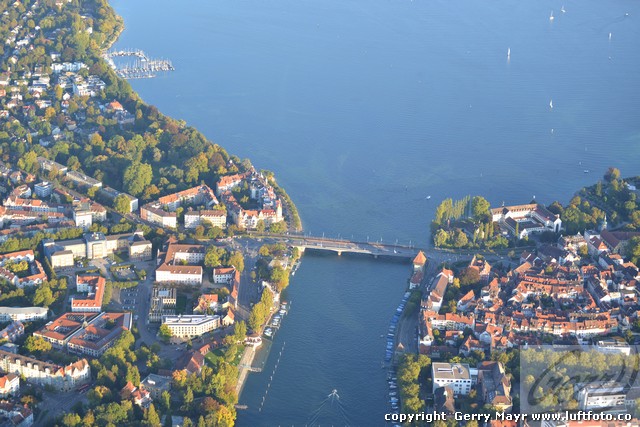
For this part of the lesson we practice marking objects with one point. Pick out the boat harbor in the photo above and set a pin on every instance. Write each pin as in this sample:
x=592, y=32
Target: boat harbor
x=142, y=67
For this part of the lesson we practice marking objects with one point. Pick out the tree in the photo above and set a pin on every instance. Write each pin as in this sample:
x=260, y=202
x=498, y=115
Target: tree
x=237, y=260
x=37, y=345
x=151, y=417
x=43, y=296
x=188, y=399
x=441, y=237
x=214, y=256
x=278, y=227
x=612, y=174
x=165, y=401
x=71, y=420
x=165, y=333
x=260, y=226
x=480, y=208
x=122, y=204
x=469, y=276
x=136, y=177
x=279, y=277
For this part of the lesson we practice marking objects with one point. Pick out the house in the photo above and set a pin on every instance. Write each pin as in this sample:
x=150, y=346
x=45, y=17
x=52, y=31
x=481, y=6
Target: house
x=9, y=385
x=192, y=362
x=206, y=303
x=229, y=318
x=163, y=303
x=156, y=385
x=459, y=376
x=495, y=386
x=443, y=400
x=138, y=395
x=13, y=331
x=223, y=275
x=62, y=378
x=15, y=415
x=419, y=262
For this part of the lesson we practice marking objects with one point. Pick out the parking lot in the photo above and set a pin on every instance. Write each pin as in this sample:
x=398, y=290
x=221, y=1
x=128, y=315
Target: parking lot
x=128, y=298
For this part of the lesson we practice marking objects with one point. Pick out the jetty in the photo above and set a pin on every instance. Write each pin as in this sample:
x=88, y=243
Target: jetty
x=143, y=67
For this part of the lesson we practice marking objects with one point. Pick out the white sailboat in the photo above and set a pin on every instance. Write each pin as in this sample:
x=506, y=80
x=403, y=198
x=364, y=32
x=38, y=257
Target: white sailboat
x=609, y=36
x=509, y=53
x=551, y=104
x=562, y=9
x=551, y=17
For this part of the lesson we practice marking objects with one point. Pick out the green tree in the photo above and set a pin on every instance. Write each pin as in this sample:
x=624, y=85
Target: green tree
x=136, y=177
x=122, y=204
x=279, y=277
x=151, y=417
x=187, y=399
x=37, y=345
x=165, y=333
x=71, y=420
x=237, y=260
x=480, y=208
x=43, y=296
x=441, y=238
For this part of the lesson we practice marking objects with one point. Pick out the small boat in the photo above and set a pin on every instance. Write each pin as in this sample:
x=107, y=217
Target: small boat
x=609, y=36
x=509, y=53
x=428, y=197
x=586, y=171
x=562, y=9
x=551, y=17
x=551, y=104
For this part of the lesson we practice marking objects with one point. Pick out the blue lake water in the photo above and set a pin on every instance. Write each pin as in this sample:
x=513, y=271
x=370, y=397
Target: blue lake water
x=363, y=109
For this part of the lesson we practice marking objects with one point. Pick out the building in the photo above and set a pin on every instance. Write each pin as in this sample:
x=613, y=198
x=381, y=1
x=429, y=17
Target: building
x=216, y=218
x=58, y=332
x=601, y=396
x=155, y=215
x=419, y=262
x=83, y=180
x=100, y=334
x=43, y=189
x=522, y=220
x=163, y=303
x=15, y=415
x=13, y=331
x=495, y=386
x=62, y=378
x=85, y=333
x=206, y=303
x=138, y=395
x=51, y=166
x=9, y=385
x=223, y=275
x=156, y=385
x=201, y=195
x=458, y=376
x=188, y=326
x=613, y=346
x=22, y=269
x=82, y=218
x=94, y=287
x=179, y=264
x=140, y=250
x=23, y=314
x=95, y=246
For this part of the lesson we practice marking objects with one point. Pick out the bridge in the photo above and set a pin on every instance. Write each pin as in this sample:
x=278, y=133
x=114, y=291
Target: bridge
x=344, y=246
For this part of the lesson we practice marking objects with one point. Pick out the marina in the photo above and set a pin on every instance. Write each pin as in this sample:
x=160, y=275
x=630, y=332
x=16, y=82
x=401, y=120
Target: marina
x=143, y=67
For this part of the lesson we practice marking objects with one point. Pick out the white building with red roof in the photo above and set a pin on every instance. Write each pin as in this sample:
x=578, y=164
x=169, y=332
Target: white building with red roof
x=94, y=287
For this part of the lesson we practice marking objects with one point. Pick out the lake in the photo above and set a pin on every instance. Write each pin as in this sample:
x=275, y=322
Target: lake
x=363, y=110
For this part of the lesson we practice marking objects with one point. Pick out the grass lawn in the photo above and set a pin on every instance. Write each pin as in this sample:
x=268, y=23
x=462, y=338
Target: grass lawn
x=218, y=353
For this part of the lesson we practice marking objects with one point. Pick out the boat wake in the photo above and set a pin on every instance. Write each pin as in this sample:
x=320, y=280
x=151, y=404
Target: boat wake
x=331, y=405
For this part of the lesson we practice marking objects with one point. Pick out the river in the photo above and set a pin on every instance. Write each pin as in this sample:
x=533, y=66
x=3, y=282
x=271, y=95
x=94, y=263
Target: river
x=363, y=109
